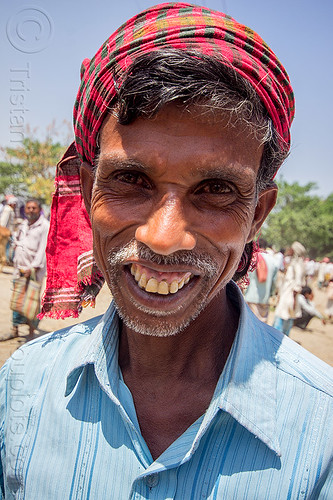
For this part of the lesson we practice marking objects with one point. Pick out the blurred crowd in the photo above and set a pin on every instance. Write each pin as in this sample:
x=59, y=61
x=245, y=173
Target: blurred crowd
x=285, y=281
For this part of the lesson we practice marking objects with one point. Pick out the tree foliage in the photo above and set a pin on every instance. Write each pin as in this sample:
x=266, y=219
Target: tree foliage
x=301, y=216
x=11, y=179
x=30, y=167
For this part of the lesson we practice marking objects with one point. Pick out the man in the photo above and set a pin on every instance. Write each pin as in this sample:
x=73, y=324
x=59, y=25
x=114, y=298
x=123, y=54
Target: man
x=7, y=217
x=261, y=284
x=288, y=307
x=279, y=257
x=7, y=220
x=178, y=391
x=29, y=259
x=323, y=272
x=308, y=310
x=310, y=267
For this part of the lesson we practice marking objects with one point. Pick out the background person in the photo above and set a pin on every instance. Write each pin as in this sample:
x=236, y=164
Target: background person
x=7, y=216
x=329, y=297
x=29, y=256
x=279, y=257
x=323, y=272
x=310, y=269
x=308, y=310
x=288, y=308
x=7, y=226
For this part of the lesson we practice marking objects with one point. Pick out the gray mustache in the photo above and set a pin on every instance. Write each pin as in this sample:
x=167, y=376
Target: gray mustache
x=198, y=260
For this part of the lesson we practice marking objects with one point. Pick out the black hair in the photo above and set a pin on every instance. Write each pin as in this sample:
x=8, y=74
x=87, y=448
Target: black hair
x=306, y=290
x=34, y=200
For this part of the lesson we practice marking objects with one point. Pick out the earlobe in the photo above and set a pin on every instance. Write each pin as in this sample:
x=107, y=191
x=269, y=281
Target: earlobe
x=266, y=201
x=87, y=182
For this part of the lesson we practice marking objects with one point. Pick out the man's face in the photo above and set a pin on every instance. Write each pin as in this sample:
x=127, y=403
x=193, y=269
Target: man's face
x=172, y=206
x=32, y=211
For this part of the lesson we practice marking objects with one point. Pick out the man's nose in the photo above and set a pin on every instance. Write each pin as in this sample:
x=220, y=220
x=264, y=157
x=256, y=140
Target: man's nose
x=165, y=231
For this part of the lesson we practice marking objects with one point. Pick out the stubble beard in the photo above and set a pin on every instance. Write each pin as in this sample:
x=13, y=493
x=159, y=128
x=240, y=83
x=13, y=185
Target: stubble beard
x=159, y=323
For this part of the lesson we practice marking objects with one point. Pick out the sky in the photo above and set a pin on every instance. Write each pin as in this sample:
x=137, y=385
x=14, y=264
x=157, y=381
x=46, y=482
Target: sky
x=42, y=45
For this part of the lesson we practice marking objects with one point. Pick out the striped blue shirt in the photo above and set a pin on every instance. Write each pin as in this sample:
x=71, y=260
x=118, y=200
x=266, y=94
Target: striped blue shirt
x=69, y=428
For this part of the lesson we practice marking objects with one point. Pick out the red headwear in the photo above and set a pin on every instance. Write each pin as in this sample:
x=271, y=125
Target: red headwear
x=175, y=25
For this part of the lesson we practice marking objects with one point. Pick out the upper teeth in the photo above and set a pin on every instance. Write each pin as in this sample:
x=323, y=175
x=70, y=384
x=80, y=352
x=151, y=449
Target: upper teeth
x=153, y=286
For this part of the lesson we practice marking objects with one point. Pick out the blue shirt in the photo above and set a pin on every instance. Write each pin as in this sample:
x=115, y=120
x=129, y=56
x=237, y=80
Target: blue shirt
x=69, y=428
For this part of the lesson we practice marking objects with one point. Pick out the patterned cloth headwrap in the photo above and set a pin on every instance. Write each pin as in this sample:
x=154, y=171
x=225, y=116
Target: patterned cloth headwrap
x=73, y=278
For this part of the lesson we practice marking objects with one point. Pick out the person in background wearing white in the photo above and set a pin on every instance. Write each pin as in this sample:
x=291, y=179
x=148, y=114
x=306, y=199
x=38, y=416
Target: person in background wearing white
x=288, y=307
x=322, y=271
x=7, y=217
x=30, y=245
x=329, y=303
x=309, y=270
x=305, y=300
x=279, y=258
x=7, y=221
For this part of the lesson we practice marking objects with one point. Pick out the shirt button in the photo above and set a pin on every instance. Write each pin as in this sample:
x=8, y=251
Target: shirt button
x=152, y=480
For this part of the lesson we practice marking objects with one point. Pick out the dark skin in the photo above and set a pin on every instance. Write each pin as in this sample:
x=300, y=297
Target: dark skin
x=175, y=183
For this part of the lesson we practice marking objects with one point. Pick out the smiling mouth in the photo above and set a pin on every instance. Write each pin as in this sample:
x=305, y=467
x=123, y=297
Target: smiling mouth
x=162, y=283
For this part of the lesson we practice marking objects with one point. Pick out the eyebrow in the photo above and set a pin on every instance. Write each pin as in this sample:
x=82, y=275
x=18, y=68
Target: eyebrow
x=224, y=172
x=123, y=163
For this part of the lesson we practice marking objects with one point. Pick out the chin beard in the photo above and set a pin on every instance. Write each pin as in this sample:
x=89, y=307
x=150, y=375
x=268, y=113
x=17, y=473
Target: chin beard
x=162, y=329
x=159, y=323
x=32, y=218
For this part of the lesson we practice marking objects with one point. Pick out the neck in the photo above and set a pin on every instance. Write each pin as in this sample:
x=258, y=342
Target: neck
x=206, y=342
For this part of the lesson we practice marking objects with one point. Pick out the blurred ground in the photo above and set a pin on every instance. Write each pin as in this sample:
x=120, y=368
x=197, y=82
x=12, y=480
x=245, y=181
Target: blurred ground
x=318, y=338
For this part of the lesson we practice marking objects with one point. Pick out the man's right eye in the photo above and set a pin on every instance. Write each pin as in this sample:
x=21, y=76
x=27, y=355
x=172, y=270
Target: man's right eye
x=133, y=178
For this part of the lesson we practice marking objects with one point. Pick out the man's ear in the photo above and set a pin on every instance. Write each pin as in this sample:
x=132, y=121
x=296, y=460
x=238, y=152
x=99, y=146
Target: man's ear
x=87, y=181
x=266, y=201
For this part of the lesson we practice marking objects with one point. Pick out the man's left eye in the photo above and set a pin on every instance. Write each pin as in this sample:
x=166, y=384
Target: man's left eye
x=214, y=187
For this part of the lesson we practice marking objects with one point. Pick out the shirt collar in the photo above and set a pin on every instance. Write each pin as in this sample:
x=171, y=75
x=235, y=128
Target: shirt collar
x=246, y=388
x=101, y=350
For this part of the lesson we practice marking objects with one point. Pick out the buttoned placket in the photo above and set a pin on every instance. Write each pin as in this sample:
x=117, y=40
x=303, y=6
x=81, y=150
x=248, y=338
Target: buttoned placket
x=150, y=484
